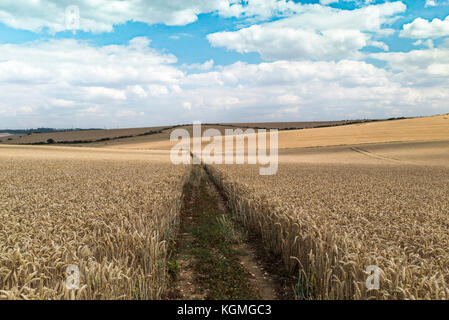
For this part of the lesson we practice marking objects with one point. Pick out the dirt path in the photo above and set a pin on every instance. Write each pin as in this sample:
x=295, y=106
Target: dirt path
x=213, y=259
x=260, y=279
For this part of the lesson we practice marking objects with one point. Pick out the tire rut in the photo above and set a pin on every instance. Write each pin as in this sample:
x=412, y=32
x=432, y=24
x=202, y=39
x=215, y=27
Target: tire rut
x=192, y=280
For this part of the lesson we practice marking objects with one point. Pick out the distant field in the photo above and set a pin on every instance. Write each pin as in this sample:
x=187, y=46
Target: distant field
x=295, y=125
x=405, y=130
x=417, y=129
x=4, y=135
x=85, y=135
x=152, y=134
x=435, y=153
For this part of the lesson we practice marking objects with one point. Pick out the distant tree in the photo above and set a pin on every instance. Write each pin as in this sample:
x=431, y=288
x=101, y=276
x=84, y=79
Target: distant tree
x=50, y=141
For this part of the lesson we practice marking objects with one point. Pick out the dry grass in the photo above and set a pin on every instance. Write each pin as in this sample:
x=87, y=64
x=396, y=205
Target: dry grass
x=330, y=220
x=109, y=213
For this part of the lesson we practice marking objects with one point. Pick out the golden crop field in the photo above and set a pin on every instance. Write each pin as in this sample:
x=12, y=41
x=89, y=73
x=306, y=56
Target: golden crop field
x=328, y=214
x=332, y=212
x=416, y=129
x=424, y=129
x=109, y=213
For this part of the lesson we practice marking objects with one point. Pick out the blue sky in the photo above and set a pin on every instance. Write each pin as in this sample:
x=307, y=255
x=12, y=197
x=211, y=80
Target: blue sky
x=139, y=63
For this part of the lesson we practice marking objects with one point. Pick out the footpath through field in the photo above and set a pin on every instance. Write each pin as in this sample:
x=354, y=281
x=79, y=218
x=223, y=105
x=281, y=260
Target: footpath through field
x=212, y=257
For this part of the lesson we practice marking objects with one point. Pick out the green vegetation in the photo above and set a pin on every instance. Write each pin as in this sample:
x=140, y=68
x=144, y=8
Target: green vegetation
x=211, y=242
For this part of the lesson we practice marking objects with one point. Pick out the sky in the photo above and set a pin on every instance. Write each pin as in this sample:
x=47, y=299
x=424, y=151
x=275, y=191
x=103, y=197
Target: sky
x=135, y=63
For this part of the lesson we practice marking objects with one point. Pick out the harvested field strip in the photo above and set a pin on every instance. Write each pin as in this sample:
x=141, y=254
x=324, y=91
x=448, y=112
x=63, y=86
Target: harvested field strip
x=147, y=133
x=80, y=135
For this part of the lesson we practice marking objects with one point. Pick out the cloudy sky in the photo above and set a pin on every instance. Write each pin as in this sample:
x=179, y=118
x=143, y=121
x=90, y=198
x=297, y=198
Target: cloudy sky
x=131, y=63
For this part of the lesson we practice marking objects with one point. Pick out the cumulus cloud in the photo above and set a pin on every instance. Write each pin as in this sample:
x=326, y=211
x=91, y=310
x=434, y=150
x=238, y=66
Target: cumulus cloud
x=430, y=3
x=62, y=83
x=99, y=16
x=426, y=67
x=74, y=79
x=326, y=2
x=200, y=66
x=102, y=15
x=313, y=32
x=284, y=90
x=423, y=29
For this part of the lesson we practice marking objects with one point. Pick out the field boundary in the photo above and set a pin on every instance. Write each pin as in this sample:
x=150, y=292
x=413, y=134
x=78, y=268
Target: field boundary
x=319, y=124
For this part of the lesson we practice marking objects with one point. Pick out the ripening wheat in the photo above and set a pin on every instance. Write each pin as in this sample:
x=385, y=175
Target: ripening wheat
x=111, y=218
x=329, y=222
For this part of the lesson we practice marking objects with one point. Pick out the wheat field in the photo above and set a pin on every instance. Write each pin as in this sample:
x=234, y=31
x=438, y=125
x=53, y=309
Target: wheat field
x=417, y=129
x=329, y=213
x=435, y=128
x=110, y=214
x=331, y=219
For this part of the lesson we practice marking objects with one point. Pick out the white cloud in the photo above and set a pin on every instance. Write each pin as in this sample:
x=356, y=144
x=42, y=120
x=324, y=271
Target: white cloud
x=158, y=90
x=138, y=91
x=326, y=2
x=102, y=15
x=286, y=90
x=201, y=66
x=427, y=67
x=430, y=3
x=314, y=32
x=293, y=110
x=289, y=99
x=25, y=110
x=428, y=43
x=104, y=94
x=73, y=79
x=126, y=113
x=258, y=9
x=423, y=29
x=76, y=83
x=187, y=105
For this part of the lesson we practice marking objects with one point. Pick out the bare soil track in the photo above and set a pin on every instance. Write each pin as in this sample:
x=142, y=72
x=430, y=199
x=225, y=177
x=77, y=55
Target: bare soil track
x=212, y=258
